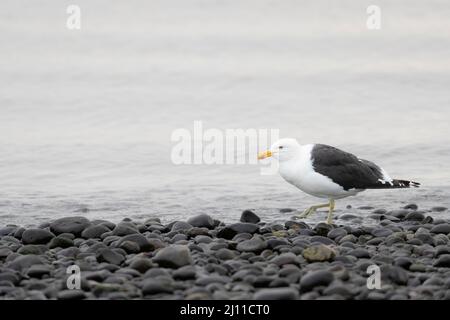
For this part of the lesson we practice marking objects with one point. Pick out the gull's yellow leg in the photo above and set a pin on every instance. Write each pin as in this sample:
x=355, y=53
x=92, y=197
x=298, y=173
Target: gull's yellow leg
x=312, y=209
x=330, y=213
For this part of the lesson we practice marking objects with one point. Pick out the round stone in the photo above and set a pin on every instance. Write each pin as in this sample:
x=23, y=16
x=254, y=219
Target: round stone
x=250, y=217
x=256, y=244
x=60, y=242
x=360, y=253
x=441, y=228
x=381, y=232
x=337, y=233
x=94, y=231
x=314, y=279
x=322, y=229
x=411, y=206
x=443, y=261
x=414, y=216
x=276, y=294
x=124, y=228
x=230, y=231
x=225, y=254
x=37, y=236
x=21, y=263
x=71, y=295
x=142, y=242
x=74, y=225
x=110, y=256
x=157, y=285
x=318, y=253
x=175, y=256
x=201, y=221
x=185, y=273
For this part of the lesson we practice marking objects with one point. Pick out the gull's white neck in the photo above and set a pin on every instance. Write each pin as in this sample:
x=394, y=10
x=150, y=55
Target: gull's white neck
x=294, y=168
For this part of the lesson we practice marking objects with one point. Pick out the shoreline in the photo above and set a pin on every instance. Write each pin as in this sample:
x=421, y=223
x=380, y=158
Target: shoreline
x=203, y=258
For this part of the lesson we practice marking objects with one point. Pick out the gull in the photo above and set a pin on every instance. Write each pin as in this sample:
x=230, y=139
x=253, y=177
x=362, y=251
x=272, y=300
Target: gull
x=327, y=172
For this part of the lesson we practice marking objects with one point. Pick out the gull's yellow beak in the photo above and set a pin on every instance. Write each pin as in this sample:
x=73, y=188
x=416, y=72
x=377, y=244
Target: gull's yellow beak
x=265, y=154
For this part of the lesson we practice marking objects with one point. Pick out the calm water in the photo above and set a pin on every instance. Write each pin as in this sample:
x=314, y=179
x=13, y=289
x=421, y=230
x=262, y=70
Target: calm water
x=86, y=116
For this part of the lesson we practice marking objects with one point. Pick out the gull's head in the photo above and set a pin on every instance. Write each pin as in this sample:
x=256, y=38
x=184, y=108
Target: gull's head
x=283, y=150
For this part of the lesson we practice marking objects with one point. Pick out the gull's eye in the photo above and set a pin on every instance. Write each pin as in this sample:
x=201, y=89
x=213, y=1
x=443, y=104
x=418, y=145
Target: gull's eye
x=280, y=147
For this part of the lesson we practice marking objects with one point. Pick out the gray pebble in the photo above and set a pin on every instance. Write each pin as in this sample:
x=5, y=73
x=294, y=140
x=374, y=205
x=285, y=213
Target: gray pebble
x=276, y=294
x=174, y=256
x=249, y=216
x=314, y=279
x=37, y=236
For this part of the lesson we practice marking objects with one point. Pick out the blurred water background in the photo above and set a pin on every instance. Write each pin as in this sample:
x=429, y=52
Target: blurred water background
x=86, y=115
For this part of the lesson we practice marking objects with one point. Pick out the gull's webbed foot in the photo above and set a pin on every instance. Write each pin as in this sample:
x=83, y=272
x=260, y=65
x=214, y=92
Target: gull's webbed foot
x=306, y=213
x=312, y=209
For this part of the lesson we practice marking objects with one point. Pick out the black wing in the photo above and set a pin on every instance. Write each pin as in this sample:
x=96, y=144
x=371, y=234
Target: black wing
x=345, y=169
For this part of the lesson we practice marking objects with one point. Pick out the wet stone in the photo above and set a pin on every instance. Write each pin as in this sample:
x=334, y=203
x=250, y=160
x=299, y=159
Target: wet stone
x=157, y=285
x=314, y=279
x=443, y=261
x=71, y=295
x=37, y=236
x=401, y=213
x=322, y=229
x=124, y=228
x=337, y=233
x=74, y=225
x=185, y=273
x=398, y=275
x=142, y=264
x=38, y=271
x=5, y=231
x=360, y=253
x=318, y=253
x=129, y=247
x=276, y=294
x=381, y=232
x=403, y=262
x=174, y=256
x=256, y=244
x=36, y=249
x=110, y=256
x=347, y=216
x=273, y=243
x=296, y=225
x=411, y=206
x=321, y=239
x=414, y=216
x=285, y=258
x=142, y=242
x=443, y=228
x=230, y=231
x=60, y=242
x=201, y=221
x=25, y=262
x=94, y=231
x=250, y=217
x=225, y=254
x=442, y=249
x=5, y=252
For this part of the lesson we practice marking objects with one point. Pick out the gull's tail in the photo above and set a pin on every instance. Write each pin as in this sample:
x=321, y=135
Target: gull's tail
x=395, y=184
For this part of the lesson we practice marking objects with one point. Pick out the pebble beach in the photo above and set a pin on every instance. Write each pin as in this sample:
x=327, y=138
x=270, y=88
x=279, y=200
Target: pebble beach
x=204, y=258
